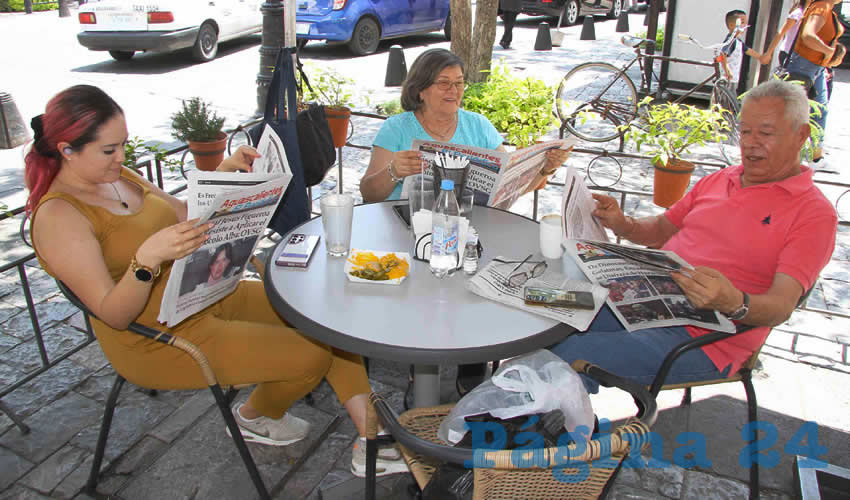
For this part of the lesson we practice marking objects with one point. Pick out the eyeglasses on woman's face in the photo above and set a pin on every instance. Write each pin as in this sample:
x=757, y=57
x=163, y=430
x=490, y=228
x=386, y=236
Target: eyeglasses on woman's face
x=444, y=84
x=515, y=278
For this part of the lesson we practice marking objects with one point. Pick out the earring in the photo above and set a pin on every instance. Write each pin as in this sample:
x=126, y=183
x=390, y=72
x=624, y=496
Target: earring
x=67, y=151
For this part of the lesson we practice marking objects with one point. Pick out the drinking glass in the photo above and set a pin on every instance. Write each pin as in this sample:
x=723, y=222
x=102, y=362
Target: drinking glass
x=465, y=202
x=421, y=195
x=550, y=236
x=337, y=214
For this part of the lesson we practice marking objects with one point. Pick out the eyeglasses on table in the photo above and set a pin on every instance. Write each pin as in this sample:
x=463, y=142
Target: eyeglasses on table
x=516, y=279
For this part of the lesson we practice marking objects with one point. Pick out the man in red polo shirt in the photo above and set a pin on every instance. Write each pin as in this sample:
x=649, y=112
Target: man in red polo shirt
x=758, y=235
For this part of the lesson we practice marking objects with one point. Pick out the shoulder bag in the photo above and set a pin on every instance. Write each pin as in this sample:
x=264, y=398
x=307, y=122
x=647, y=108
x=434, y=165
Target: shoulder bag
x=294, y=208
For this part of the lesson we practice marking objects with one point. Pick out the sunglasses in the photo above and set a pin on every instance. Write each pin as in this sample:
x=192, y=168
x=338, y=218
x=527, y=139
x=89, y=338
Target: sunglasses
x=516, y=279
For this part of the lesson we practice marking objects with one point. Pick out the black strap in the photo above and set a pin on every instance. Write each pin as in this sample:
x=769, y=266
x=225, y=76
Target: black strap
x=282, y=88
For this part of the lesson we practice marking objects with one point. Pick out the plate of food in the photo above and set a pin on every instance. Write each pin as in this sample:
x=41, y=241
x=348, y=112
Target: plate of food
x=383, y=268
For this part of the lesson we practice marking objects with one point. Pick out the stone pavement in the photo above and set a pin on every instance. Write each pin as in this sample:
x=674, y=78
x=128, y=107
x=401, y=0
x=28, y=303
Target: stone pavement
x=174, y=446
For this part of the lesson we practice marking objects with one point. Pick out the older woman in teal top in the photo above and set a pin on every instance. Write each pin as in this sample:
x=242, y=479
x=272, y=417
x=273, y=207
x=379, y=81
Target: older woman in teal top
x=431, y=97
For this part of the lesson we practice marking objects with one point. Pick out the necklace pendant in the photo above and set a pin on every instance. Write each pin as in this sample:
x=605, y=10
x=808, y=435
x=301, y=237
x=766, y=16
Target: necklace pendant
x=124, y=204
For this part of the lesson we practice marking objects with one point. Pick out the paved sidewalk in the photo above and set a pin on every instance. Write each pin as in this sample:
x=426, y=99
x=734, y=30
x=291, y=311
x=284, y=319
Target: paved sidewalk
x=174, y=446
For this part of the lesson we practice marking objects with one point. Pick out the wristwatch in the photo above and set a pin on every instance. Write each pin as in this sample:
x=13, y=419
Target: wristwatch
x=143, y=273
x=742, y=311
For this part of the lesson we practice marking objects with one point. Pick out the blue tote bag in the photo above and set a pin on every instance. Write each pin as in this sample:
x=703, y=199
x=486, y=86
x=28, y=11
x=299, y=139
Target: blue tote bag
x=294, y=208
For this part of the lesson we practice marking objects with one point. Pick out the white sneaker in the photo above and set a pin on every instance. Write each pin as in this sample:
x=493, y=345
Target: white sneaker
x=275, y=432
x=389, y=460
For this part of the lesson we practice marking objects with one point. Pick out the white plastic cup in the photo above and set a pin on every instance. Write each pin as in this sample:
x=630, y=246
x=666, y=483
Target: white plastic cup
x=550, y=236
x=421, y=195
x=337, y=215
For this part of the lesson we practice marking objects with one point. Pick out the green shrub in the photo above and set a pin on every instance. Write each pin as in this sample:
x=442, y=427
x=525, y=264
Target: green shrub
x=521, y=108
x=18, y=6
x=389, y=108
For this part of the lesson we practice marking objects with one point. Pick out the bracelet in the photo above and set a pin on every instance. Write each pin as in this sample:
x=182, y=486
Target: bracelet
x=393, y=177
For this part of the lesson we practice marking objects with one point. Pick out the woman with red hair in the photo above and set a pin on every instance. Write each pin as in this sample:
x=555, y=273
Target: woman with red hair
x=112, y=236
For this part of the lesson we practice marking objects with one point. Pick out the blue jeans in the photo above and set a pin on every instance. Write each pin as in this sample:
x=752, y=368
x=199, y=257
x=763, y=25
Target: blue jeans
x=802, y=66
x=635, y=356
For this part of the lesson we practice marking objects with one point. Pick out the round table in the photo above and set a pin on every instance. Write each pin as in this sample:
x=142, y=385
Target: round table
x=424, y=320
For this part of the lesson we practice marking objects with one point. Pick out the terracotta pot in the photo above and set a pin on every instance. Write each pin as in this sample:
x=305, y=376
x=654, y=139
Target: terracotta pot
x=209, y=155
x=338, y=118
x=671, y=182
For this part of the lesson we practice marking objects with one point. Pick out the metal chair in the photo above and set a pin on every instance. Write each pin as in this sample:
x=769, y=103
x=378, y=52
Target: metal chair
x=222, y=400
x=744, y=375
x=516, y=473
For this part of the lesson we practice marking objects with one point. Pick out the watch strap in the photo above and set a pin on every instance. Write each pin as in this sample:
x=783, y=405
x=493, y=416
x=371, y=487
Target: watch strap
x=144, y=273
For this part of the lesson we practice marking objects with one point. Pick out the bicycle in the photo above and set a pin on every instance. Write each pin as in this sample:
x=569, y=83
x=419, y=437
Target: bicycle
x=596, y=99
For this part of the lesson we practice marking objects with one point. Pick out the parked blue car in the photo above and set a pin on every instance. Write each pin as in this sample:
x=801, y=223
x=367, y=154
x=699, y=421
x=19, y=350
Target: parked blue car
x=363, y=23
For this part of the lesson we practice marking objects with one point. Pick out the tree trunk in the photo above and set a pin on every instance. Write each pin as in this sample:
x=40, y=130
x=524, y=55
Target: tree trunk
x=462, y=30
x=481, y=51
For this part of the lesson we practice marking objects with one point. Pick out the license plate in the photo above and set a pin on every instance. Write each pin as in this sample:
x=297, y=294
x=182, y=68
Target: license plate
x=129, y=20
x=302, y=28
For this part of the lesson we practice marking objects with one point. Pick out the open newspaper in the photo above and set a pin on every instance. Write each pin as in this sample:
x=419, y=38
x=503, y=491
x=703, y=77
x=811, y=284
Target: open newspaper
x=501, y=175
x=492, y=282
x=240, y=206
x=641, y=292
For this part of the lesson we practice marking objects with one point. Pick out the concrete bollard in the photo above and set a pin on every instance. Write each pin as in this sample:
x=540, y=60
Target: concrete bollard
x=623, y=22
x=588, y=32
x=13, y=130
x=544, y=37
x=396, y=67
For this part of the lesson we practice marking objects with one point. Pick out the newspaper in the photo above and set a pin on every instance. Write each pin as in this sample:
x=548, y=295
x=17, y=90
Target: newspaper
x=577, y=205
x=492, y=282
x=240, y=206
x=501, y=175
x=641, y=292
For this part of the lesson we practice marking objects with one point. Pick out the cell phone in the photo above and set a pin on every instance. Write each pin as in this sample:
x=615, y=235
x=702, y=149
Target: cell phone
x=538, y=296
x=298, y=250
x=403, y=212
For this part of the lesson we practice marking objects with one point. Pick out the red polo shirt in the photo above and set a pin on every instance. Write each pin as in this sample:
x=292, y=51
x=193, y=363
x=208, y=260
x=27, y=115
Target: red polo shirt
x=749, y=235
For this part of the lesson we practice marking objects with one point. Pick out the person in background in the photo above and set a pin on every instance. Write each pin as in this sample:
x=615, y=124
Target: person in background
x=778, y=234
x=736, y=21
x=508, y=10
x=125, y=233
x=786, y=35
x=814, y=52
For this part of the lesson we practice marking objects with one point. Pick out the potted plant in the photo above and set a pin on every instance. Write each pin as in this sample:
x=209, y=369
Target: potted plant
x=519, y=108
x=670, y=130
x=332, y=90
x=200, y=127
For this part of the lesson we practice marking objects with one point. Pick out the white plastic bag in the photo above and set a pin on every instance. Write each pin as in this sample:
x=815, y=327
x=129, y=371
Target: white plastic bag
x=537, y=382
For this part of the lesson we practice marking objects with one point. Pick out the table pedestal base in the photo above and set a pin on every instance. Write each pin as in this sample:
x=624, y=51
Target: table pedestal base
x=426, y=385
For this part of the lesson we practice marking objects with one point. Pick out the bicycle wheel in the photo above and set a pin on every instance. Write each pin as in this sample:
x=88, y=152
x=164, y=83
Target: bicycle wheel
x=593, y=98
x=730, y=146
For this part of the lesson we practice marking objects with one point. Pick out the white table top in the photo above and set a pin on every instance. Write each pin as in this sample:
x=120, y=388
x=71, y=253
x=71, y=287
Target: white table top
x=423, y=320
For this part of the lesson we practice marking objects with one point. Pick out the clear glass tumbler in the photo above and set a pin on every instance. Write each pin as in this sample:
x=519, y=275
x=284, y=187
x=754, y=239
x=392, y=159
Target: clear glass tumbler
x=337, y=216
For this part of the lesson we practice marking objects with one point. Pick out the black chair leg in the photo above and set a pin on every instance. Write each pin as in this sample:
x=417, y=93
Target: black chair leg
x=108, y=412
x=752, y=410
x=371, y=467
x=224, y=406
x=15, y=418
x=686, y=397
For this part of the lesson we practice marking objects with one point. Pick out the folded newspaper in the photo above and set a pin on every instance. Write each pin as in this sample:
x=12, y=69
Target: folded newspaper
x=641, y=292
x=501, y=175
x=240, y=206
x=492, y=282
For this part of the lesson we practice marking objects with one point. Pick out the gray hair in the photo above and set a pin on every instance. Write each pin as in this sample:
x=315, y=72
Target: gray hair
x=792, y=94
x=422, y=74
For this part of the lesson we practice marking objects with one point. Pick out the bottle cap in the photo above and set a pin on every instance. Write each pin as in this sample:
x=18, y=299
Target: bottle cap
x=447, y=185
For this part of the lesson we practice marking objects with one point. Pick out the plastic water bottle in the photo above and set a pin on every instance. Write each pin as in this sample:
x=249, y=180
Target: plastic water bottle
x=470, y=254
x=444, y=232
